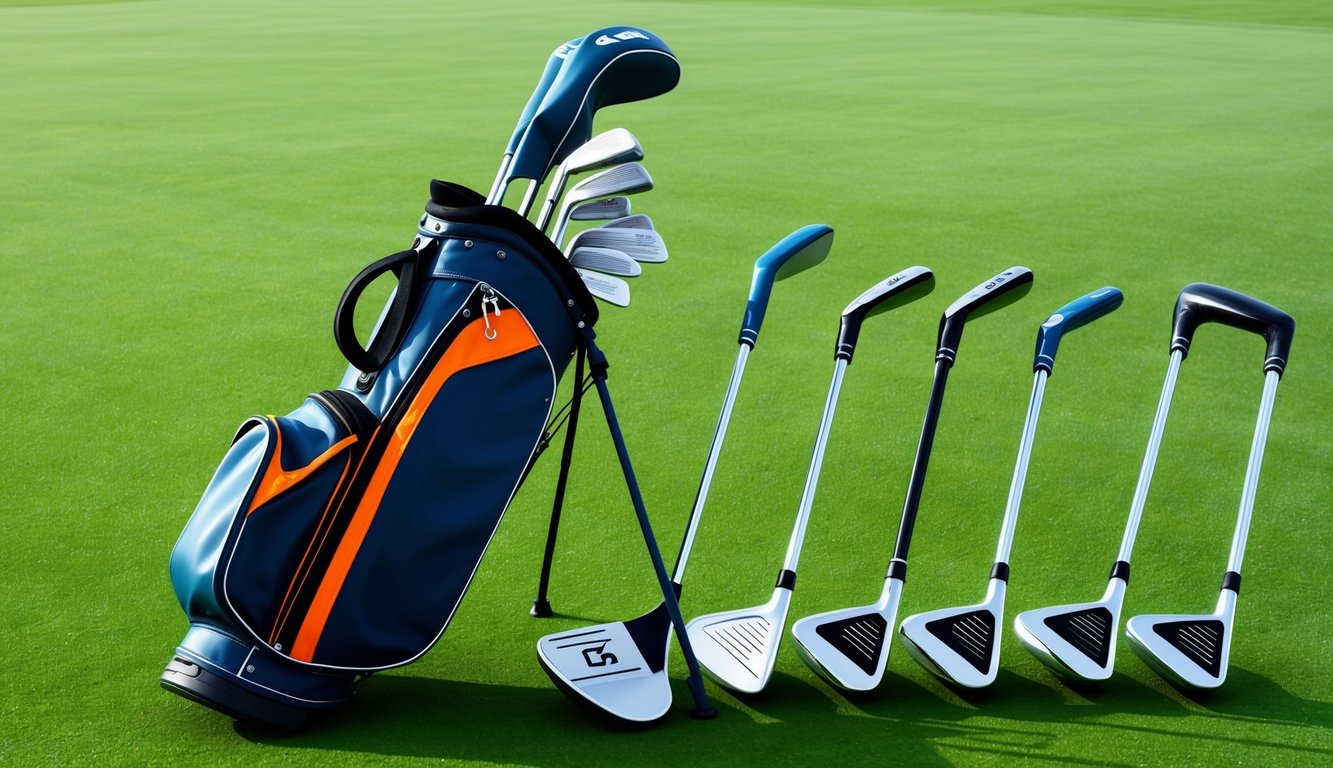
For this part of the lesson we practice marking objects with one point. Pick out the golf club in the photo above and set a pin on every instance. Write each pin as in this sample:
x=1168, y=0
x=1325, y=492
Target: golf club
x=626, y=179
x=850, y=648
x=553, y=65
x=613, y=65
x=607, y=260
x=605, y=287
x=1192, y=650
x=621, y=666
x=1078, y=641
x=962, y=645
x=613, y=147
x=637, y=221
x=740, y=647
x=600, y=210
x=644, y=245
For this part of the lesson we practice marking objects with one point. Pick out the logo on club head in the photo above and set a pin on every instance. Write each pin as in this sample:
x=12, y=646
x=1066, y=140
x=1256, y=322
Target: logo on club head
x=621, y=37
x=602, y=658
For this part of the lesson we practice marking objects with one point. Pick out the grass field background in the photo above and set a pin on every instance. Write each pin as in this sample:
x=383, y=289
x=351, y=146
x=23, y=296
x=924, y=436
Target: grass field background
x=186, y=188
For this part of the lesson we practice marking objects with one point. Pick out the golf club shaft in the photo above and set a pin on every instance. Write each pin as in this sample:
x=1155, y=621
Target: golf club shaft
x=898, y=565
x=528, y=197
x=498, y=186
x=1020, y=469
x=1252, y=471
x=812, y=476
x=552, y=194
x=714, y=451
x=1150, y=456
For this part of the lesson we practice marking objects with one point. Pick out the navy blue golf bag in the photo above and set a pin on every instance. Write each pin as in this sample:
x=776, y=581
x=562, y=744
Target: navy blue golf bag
x=339, y=539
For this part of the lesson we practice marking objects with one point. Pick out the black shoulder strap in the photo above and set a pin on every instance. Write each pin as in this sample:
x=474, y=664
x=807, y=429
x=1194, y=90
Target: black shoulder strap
x=408, y=266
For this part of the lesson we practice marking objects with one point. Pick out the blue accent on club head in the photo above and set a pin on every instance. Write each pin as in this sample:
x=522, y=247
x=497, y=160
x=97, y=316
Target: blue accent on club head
x=794, y=254
x=1075, y=314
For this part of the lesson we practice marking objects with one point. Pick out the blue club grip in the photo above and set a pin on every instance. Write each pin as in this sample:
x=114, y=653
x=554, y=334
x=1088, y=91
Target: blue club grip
x=792, y=255
x=1201, y=303
x=1075, y=314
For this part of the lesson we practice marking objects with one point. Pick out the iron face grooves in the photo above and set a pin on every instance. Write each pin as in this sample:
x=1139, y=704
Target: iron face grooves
x=971, y=636
x=860, y=639
x=1088, y=631
x=1200, y=641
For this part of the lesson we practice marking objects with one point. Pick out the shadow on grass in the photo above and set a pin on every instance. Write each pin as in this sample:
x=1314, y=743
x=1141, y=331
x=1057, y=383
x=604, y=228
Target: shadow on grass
x=796, y=720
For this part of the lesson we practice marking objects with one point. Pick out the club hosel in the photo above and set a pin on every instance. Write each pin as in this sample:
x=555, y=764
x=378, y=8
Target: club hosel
x=951, y=334
x=1231, y=581
x=754, y=318
x=849, y=331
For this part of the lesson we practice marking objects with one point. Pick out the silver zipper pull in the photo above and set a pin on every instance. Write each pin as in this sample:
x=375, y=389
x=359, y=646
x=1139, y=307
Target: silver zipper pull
x=489, y=302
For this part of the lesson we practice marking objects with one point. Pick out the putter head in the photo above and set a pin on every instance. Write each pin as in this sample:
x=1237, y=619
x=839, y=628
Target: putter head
x=1188, y=650
x=617, y=667
x=643, y=245
x=959, y=645
x=606, y=260
x=850, y=648
x=1076, y=641
x=739, y=648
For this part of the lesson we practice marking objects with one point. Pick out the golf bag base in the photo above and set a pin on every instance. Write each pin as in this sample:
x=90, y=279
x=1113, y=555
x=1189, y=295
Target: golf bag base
x=246, y=683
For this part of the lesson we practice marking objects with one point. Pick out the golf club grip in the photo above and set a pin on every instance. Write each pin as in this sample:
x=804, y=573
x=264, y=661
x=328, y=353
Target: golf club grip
x=1075, y=314
x=1201, y=303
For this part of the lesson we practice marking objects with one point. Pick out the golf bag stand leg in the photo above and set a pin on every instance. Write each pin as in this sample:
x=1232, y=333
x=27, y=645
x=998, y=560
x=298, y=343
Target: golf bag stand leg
x=703, y=710
x=541, y=605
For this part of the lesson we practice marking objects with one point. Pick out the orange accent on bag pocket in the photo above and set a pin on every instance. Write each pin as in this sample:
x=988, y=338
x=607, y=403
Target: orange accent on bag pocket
x=470, y=349
x=276, y=479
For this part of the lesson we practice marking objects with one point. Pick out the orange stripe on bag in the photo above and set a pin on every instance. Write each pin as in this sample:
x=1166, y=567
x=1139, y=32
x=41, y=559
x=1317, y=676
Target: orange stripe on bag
x=470, y=349
x=276, y=479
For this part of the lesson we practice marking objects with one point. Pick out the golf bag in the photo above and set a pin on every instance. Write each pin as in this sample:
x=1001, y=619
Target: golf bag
x=339, y=539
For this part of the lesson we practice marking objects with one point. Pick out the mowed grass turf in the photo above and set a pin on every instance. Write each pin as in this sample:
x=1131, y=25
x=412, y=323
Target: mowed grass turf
x=186, y=188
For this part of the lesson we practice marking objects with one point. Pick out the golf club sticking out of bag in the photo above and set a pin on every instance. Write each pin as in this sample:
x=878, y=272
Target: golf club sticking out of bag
x=606, y=287
x=850, y=648
x=553, y=65
x=626, y=179
x=644, y=245
x=1078, y=641
x=620, y=667
x=740, y=647
x=613, y=65
x=613, y=208
x=1193, y=651
x=606, y=260
x=962, y=645
x=613, y=147
x=637, y=221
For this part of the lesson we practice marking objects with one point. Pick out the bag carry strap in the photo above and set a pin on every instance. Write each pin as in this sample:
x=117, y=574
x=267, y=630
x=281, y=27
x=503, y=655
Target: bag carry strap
x=408, y=267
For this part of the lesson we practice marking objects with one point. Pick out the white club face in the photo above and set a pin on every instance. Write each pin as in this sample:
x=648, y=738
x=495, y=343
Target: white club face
x=960, y=645
x=607, y=260
x=850, y=648
x=643, y=245
x=1189, y=650
x=739, y=648
x=604, y=666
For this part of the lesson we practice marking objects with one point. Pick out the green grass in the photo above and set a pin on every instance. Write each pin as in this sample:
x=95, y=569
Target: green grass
x=188, y=187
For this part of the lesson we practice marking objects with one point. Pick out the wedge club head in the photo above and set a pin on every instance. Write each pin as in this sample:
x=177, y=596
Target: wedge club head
x=739, y=648
x=1190, y=651
x=605, y=260
x=959, y=645
x=643, y=245
x=1076, y=641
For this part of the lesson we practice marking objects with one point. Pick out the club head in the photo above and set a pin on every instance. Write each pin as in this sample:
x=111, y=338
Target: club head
x=637, y=221
x=1077, y=641
x=600, y=210
x=792, y=255
x=626, y=179
x=611, y=147
x=1189, y=650
x=850, y=648
x=739, y=648
x=605, y=287
x=613, y=65
x=990, y=296
x=959, y=645
x=644, y=245
x=617, y=667
x=888, y=294
x=606, y=260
